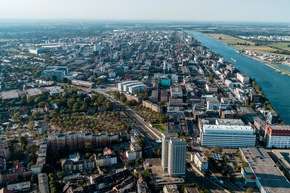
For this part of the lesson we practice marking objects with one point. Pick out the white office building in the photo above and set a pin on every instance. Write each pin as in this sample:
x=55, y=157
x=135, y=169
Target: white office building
x=139, y=88
x=132, y=87
x=212, y=105
x=200, y=161
x=232, y=136
x=243, y=78
x=120, y=85
x=164, y=154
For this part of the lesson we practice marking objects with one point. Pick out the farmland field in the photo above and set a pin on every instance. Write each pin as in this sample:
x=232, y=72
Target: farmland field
x=267, y=47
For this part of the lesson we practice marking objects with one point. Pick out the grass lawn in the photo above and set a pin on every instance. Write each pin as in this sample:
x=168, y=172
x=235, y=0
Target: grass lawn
x=254, y=48
x=160, y=127
x=270, y=48
x=229, y=39
x=280, y=45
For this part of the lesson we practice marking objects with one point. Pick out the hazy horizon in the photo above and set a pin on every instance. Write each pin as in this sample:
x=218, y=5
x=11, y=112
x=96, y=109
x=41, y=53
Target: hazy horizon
x=265, y=11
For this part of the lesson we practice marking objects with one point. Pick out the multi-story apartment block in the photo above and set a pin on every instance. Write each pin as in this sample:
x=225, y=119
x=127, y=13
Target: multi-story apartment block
x=4, y=150
x=278, y=136
x=72, y=141
x=43, y=183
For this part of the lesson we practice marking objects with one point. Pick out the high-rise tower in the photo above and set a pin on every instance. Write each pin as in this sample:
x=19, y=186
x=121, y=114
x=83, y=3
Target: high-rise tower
x=173, y=158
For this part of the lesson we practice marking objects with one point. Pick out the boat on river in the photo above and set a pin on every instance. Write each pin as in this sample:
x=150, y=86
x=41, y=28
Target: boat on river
x=233, y=59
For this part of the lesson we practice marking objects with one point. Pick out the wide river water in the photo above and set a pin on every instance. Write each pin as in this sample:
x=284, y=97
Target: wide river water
x=275, y=86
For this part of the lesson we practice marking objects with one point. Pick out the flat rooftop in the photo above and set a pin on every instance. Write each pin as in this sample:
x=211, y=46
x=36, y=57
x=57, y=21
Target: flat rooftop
x=269, y=176
x=9, y=94
x=33, y=92
x=227, y=129
x=248, y=170
x=178, y=140
x=280, y=127
x=229, y=122
x=247, y=110
x=176, y=88
x=54, y=89
x=284, y=156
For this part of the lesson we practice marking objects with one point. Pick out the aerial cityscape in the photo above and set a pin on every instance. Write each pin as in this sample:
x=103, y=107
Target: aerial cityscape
x=144, y=96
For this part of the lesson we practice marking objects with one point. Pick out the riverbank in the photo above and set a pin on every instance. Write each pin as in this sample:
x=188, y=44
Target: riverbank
x=248, y=46
x=266, y=61
x=271, y=65
x=274, y=85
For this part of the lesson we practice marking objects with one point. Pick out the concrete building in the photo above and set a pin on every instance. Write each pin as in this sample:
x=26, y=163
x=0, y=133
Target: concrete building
x=97, y=48
x=73, y=141
x=63, y=68
x=37, y=51
x=170, y=189
x=268, y=177
x=227, y=136
x=12, y=94
x=278, y=136
x=54, y=90
x=173, y=155
x=5, y=190
x=15, y=173
x=132, y=87
x=176, y=157
x=243, y=78
x=165, y=147
x=120, y=70
x=142, y=186
x=82, y=83
x=34, y=91
x=237, y=122
x=176, y=91
x=43, y=183
x=49, y=74
x=211, y=88
x=191, y=190
x=248, y=174
x=2, y=164
x=164, y=154
x=160, y=178
x=125, y=185
x=106, y=160
x=133, y=155
x=212, y=105
x=165, y=82
x=282, y=156
x=139, y=88
x=121, y=84
x=4, y=150
x=131, y=97
x=164, y=96
x=152, y=106
x=20, y=187
x=200, y=161
x=59, y=72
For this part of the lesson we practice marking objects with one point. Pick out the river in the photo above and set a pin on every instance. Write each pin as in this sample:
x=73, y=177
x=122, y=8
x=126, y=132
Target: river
x=275, y=86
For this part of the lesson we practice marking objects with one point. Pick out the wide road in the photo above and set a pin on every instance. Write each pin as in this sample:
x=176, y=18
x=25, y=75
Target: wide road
x=192, y=177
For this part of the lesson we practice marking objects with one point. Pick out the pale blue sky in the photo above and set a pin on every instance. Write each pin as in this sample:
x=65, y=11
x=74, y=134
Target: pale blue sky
x=188, y=10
